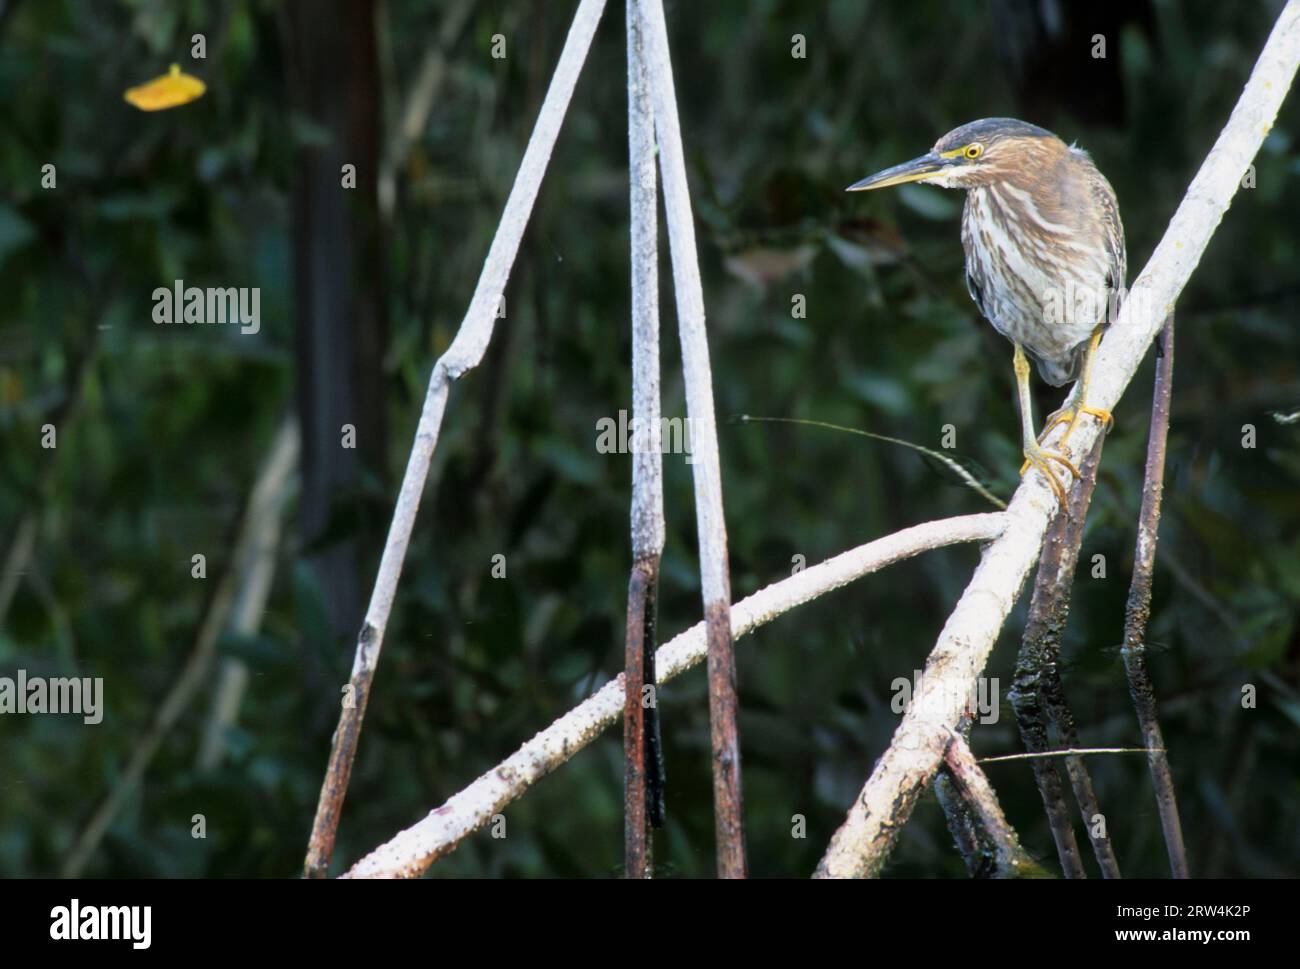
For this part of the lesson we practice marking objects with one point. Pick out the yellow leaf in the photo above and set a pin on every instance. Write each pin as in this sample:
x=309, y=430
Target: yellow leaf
x=169, y=91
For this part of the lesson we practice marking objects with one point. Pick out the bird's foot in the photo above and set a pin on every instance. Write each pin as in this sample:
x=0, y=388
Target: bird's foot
x=1038, y=458
x=1070, y=416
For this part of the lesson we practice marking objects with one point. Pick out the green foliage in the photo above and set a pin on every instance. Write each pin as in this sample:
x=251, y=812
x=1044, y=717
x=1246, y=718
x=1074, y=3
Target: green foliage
x=170, y=424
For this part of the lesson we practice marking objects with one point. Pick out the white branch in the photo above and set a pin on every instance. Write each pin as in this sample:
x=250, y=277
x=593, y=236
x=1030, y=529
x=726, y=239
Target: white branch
x=475, y=331
x=647, y=457
x=465, y=352
x=411, y=851
x=705, y=467
x=861, y=845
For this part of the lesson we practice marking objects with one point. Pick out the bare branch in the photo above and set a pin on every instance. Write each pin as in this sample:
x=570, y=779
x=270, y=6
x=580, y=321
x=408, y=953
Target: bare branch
x=862, y=844
x=989, y=844
x=643, y=786
x=465, y=352
x=715, y=582
x=1037, y=694
x=410, y=852
x=1138, y=609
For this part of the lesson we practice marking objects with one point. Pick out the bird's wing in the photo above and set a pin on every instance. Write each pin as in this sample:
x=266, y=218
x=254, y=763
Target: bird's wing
x=1113, y=233
x=976, y=294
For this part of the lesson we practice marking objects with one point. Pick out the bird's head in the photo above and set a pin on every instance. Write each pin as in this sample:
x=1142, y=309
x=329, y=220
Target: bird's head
x=979, y=153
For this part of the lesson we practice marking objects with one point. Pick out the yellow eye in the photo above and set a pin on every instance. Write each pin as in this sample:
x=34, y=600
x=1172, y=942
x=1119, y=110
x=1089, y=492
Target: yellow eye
x=974, y=150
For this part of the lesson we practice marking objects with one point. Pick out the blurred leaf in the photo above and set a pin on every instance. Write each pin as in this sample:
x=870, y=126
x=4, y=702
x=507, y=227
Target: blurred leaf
x=15, y=231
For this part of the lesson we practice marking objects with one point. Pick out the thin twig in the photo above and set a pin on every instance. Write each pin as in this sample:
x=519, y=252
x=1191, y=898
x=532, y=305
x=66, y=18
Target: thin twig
x=715, y=582
x=410, y=852
x=643, y=785
x=465, y=352
x=947, y=460
x=1066, y=752
x=1138, y=608
x=862, y=844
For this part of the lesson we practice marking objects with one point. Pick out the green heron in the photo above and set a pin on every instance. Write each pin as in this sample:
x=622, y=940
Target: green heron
x=1045, y=257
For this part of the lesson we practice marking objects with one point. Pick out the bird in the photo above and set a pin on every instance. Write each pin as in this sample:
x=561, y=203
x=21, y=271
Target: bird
x=1046, y=262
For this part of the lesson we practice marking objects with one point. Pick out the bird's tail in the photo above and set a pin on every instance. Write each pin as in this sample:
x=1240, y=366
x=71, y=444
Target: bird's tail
x=1060, y=371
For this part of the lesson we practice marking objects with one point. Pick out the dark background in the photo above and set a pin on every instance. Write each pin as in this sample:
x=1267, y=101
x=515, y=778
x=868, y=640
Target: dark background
x=161, y=430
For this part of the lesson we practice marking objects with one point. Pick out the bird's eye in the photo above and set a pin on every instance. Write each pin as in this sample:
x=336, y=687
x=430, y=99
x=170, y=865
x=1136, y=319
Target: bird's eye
x=974, y=150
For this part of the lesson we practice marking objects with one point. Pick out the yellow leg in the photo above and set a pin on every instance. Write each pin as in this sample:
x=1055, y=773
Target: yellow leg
x=1071, y=415
x=1035, y=455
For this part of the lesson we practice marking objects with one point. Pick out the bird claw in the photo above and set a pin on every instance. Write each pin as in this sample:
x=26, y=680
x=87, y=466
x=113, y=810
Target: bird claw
x=1106, y=417
x=1068, y=415
x=1062, y=416
x=1038, y=458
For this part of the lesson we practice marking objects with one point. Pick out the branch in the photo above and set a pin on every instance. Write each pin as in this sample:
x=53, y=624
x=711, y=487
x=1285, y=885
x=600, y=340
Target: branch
x=1037, y=694
x=989, y=845
x=1065, y=752
x=715, y=582
x=643, y=785
x=862, y=844
x=410, y=852
x=1138, y=609
x=465, y=352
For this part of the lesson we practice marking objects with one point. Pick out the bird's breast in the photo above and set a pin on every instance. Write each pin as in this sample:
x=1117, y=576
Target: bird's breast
x=1040, y=281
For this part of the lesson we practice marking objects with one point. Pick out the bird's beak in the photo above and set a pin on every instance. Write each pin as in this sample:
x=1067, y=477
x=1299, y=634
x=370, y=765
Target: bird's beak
x=916, y=170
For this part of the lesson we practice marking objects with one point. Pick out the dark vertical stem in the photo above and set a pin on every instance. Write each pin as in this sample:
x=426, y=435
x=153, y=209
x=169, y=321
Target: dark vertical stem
x=706, y=469
x=963, y=825
x=332, y=60
x=1026, y=700
x=635, y=841
x=339, y=304
x=642, y=786
x=644, y=775
x=656, y=777
x=343, y=750
x=1037, y=694
x=988, y=844
x=1138, y=608
x=723, y=708
x=1061, y=717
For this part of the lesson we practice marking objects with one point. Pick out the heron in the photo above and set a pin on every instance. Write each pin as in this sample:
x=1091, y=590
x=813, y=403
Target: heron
x=1045, y=256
